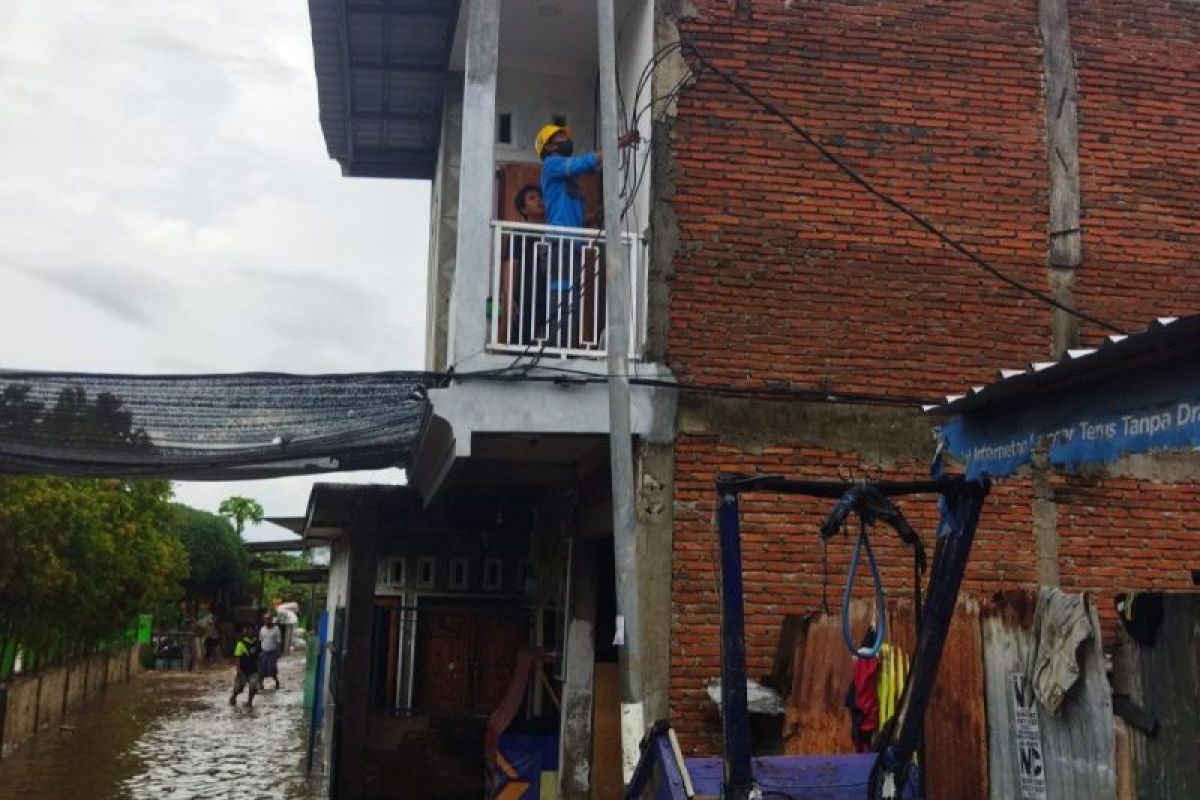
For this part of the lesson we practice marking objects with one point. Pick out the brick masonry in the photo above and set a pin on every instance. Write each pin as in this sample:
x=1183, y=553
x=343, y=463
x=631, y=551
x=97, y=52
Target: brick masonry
x=787, y=272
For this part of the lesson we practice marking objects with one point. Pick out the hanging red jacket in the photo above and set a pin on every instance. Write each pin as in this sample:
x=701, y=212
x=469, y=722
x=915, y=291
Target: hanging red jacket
x=863, y=701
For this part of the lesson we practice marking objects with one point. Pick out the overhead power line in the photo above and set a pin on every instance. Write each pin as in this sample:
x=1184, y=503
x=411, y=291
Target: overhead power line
x=849, y=171
x=570, y=376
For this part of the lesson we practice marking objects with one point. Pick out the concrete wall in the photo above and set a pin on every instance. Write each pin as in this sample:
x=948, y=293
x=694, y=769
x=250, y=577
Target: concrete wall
x=51, y=697
x=76, y=689
x=97, y=666
x=443, y=227
x=117, y=668
x=20, y=712
x=39, y=700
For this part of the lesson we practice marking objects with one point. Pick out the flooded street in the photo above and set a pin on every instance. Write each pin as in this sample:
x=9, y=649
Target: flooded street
x=171, y=736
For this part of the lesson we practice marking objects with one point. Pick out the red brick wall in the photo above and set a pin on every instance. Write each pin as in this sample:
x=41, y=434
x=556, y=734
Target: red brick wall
x=787, y=272
x=1117, y=534
x=782, y=560
x=1139, y=77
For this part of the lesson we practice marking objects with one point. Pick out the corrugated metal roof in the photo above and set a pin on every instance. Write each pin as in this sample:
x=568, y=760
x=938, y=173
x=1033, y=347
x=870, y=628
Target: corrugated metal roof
x=381, y=68
x=1165, y=339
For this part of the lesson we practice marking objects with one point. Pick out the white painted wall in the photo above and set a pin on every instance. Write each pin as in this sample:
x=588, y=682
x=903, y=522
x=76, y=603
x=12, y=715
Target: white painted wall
x=534, y=93
x=635, y=46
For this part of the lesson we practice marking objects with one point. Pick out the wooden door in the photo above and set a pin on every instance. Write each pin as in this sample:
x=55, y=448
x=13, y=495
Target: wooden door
x=444, y=644
x=499, y=637
x=467, y=658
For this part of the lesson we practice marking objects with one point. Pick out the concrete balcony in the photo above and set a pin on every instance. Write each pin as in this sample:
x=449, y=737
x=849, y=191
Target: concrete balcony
x=548, y=291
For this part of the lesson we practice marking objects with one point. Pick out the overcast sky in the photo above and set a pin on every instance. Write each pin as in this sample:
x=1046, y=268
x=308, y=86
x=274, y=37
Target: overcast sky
x=167, y=205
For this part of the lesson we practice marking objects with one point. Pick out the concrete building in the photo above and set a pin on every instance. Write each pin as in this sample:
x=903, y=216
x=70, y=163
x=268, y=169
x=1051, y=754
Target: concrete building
x=785, y=321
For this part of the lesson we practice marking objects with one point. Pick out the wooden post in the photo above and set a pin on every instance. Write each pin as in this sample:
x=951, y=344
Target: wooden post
x=353, y=707
x=1062, y=153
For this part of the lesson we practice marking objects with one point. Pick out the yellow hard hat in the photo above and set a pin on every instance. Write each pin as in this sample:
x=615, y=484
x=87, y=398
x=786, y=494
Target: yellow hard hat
x=544, y=135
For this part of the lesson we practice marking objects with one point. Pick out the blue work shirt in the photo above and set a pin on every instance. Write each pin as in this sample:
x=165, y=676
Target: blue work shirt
x=560, y=192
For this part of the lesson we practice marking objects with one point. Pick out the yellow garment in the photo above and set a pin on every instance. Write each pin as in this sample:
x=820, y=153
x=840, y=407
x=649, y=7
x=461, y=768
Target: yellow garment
x=893, y=672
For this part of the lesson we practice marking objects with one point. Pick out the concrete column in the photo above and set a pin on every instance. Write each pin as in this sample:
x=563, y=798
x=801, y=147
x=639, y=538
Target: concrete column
x=444, y=225
x=1062, y=155
x=575, y=741
x=468, y=325
x=655, y=488
x=1045, y=519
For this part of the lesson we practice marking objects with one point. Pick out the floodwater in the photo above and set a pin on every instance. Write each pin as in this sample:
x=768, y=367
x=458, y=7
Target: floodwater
x=171, y=736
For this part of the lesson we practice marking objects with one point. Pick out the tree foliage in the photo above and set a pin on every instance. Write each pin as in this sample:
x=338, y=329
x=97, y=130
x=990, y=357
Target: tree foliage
x=240, y=510
x=79, y=559
x=217, y=558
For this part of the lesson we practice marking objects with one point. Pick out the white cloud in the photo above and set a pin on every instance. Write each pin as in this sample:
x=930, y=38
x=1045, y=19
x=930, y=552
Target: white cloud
x=167, y=205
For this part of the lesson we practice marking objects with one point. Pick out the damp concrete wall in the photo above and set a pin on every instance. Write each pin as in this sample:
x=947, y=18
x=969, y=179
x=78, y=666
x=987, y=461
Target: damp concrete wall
x=52, y=694
x=37, y=701
x=20, y=713
x=76, y=689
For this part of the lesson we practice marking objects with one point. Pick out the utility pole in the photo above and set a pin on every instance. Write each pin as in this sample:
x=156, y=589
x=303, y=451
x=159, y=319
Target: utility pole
x=620, y=438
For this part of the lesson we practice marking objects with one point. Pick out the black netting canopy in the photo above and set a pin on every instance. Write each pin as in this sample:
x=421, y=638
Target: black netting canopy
x=208, y=427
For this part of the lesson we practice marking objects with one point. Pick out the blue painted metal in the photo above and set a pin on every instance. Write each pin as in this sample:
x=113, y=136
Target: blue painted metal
x=735, y=714
x=658, y=760
x=528, y=756
x=1112, y=418
x=839, y=777
x=954, y=550
x=318, y=709
x=842, y=777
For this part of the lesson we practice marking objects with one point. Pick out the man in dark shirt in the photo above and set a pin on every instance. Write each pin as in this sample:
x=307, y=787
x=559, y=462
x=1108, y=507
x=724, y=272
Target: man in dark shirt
x=245, y=652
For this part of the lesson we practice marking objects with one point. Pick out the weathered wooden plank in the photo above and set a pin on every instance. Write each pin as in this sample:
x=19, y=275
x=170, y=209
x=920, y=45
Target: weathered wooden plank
x=1062, y=133
x=1170, y=691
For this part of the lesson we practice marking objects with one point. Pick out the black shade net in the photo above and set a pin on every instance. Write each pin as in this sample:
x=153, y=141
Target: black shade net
x=208, y=427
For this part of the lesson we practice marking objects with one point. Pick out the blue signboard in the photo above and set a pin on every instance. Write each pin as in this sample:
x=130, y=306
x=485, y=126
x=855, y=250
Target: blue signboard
x=1092, y=423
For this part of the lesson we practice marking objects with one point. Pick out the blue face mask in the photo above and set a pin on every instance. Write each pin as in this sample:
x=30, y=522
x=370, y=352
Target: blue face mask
x=565, y=147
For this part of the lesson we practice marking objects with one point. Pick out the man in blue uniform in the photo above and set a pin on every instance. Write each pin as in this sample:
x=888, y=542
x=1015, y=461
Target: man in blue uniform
x=555, y=145
x=576, y=275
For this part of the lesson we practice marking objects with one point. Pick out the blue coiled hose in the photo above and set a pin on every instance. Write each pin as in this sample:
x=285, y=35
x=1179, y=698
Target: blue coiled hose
x=880, y=608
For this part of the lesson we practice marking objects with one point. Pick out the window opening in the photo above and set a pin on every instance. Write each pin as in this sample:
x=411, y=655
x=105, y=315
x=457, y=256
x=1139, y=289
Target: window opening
x=458, y=574
x=504, y=128
x=493, y=575
x=425, y=573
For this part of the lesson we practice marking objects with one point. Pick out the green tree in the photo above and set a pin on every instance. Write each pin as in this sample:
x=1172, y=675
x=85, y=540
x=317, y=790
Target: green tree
x=240, y=510
x=80, y=558
x=216, y=557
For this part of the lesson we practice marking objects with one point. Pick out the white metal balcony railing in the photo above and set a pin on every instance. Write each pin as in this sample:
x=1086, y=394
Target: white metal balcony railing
x=548, y=291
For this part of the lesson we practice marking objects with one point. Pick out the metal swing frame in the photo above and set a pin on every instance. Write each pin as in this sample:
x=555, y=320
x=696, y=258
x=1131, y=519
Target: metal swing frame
x=960, y=501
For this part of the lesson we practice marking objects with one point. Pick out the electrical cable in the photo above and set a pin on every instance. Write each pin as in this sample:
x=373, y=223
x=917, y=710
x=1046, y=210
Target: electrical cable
x=792, y=393
x=921, y=221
